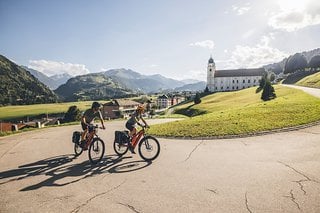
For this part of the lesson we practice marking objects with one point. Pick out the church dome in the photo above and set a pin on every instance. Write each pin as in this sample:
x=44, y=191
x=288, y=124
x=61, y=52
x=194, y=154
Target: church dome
x=211, y=61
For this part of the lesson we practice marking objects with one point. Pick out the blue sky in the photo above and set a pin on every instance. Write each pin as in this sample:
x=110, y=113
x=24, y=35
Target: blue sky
x=171, y=37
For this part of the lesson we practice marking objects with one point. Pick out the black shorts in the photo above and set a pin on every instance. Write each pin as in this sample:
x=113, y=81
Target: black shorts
x=84, y=126
x=129, y=126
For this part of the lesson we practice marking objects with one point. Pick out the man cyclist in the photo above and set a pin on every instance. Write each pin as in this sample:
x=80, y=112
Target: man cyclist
x=88, y=117
x=133, y=120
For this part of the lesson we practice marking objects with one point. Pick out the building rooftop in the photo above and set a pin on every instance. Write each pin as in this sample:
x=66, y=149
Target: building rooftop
x=239, y=72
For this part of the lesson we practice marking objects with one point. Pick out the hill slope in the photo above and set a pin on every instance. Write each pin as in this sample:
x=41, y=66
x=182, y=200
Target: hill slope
x=310, y=81
x=18, y=86
x=95, y=86
x=242, y=112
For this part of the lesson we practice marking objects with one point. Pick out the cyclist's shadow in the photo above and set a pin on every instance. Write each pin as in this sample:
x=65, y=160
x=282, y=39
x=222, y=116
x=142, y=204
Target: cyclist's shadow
x=59, y=170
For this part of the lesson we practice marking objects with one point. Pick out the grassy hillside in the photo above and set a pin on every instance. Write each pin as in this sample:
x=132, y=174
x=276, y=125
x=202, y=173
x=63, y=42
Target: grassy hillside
x=310, y=81
x=19, y=87
x=11, y=112
x=242, y=112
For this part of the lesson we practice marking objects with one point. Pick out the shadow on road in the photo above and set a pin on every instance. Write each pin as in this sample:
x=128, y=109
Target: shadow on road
x=59, y=171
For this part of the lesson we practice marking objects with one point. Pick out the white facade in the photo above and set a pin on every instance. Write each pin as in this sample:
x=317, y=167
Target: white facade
x=230, y=80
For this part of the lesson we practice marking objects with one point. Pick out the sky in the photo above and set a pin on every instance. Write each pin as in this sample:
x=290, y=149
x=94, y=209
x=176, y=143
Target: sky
x=174, y=38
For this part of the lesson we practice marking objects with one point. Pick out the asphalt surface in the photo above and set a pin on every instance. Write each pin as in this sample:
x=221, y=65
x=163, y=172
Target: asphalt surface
x=271, y=173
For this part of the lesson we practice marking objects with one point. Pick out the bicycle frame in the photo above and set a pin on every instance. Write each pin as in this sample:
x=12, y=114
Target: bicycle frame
x=90, y=137
x=137, y=137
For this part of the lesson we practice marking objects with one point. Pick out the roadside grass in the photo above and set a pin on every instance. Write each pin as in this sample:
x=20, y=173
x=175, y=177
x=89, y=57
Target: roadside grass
x=242, y=112
x=12, y=112
x=310, y=81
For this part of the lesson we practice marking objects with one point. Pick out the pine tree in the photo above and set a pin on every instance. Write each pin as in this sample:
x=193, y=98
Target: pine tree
x=197, y=99
x=268, y=92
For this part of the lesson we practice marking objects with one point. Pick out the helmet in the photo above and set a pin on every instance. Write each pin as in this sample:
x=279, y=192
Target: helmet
x=140, y=108
x=95, y=105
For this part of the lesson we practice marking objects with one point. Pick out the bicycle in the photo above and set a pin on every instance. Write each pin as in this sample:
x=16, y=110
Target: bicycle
x=93, y=143
x=148, y=146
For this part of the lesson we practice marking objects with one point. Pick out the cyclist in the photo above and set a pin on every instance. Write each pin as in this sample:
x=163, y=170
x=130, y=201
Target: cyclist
x=133, y=120
x=87, y=118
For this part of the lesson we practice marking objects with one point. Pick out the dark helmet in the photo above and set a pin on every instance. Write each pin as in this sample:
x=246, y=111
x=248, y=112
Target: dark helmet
x=95, y=105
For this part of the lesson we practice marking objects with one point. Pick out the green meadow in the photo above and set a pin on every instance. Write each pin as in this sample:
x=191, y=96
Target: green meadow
x=310, y=81
x=242, y=112
x=12, y=112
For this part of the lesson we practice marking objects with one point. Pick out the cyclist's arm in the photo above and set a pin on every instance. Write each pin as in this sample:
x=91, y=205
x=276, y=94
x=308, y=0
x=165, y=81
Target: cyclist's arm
x=145, y=123
x=83, y=120
x=101, y=119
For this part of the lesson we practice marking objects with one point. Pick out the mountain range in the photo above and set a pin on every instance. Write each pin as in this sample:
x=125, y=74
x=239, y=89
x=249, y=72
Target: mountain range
x=142, y=83
x=53, y=82
x=94, y=86
x=19, y=86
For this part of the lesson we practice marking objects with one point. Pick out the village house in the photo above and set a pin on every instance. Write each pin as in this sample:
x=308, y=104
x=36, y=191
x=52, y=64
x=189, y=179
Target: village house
x=119, y=108
x=166, y=101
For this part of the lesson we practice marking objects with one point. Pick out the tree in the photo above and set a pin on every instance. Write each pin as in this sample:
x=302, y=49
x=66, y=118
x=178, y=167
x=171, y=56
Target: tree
x=73, y=114
x=262, y=83
x=314, y=62
x=206, y=90
x=197, y=99
x=295, y=62
x=268, y=92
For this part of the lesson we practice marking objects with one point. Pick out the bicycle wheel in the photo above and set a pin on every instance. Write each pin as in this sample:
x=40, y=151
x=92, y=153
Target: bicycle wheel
x=120, y=148
x=149, y=148
x=96, y=150
x=77, y=149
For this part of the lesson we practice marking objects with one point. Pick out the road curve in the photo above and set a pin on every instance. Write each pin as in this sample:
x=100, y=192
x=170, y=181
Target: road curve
x=271, y=173
x=312, y=91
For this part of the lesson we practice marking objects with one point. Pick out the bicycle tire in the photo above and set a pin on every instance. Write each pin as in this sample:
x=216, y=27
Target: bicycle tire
x=123, y=146
x=97, y=146
x=144, y=143
x=77, y=149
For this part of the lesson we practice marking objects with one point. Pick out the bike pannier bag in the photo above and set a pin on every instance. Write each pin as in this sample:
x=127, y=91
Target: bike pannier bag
x=76, y=137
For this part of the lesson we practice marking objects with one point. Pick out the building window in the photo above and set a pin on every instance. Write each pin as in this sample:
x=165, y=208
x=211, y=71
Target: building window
x=227, y=87
x=237, y=87
x=237, y=82
x=254, y=81
x=244, y=81
x=232, y=87
x=249, y=81
x=221, y=87
x=210, y=70
x=216, y=88
x=232, y=81
x=243, y=87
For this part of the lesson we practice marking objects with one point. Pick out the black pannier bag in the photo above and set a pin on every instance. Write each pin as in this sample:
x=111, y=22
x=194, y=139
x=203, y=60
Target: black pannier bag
x=121, y=137
x=76, y=137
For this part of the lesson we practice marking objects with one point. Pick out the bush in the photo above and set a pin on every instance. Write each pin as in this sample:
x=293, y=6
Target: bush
x=73, y=114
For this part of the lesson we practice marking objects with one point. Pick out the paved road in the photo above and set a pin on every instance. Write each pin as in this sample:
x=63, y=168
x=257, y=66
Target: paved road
x=312, y=91
x=272, y=173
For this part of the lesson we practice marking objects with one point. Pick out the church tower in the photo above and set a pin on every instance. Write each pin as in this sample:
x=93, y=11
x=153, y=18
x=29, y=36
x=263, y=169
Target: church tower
x=210, y=74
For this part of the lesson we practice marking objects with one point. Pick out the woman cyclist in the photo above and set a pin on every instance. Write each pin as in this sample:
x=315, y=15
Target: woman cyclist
x=133, y=120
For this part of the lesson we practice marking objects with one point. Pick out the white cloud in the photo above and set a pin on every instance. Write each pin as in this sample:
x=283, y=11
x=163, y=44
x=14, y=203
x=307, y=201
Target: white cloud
x=53, y=67
x=205, y=44
x=254, y=56
x=240, y=10
x=153, y=65
x=295, y=15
